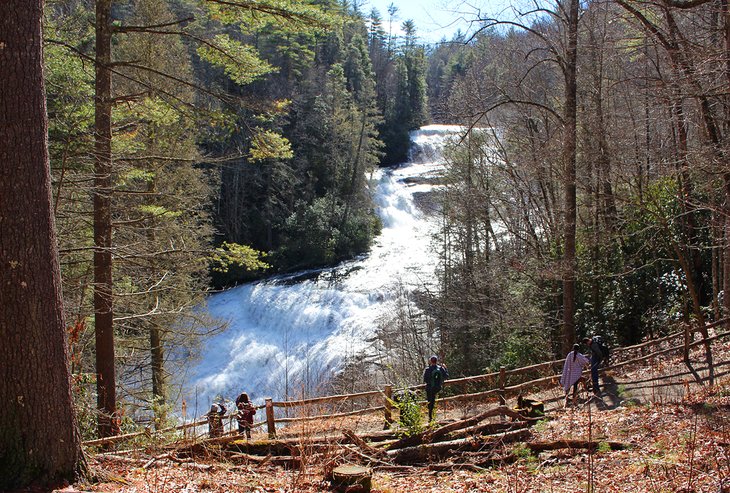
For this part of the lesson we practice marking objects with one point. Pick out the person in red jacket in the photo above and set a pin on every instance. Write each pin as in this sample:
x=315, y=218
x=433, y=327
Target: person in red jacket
x=244, y=414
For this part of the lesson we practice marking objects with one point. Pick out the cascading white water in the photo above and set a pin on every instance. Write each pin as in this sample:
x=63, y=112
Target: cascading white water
x=287, y=334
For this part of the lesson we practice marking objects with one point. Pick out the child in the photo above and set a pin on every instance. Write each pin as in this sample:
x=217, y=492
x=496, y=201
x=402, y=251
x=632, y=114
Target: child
x=215, y=420
x=245, y=414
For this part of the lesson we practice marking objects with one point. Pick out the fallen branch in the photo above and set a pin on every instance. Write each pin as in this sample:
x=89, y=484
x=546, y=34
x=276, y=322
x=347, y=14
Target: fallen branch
x=118, y=458
x=166, y=455
x=451, y=466
x=369, y=459
x=489, y=429
x=575, y=444
x=364, y=446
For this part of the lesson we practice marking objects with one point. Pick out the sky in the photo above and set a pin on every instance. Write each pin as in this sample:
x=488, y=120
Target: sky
x=434, y=19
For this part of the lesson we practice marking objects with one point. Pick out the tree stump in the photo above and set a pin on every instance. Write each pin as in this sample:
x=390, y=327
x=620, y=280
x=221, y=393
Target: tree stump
x=351, y=478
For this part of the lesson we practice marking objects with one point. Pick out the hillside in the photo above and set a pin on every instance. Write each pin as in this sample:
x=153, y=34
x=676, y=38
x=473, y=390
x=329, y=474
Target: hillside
x=676, y=436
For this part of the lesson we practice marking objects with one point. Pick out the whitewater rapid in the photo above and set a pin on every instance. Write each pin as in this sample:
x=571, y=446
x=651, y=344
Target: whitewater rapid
x=288, y=335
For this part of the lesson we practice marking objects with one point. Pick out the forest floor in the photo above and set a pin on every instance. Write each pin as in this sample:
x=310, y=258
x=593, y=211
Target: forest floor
x=677, y=432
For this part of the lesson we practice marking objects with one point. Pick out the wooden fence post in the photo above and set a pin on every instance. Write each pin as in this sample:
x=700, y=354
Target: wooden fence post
x=388, y=406
x=502, y=384
x=270, y=423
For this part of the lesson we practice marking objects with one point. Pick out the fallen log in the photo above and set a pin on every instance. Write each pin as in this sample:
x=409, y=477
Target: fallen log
x=289, y=461
x=431, y=436
x=488, y=429
x=576, y=444
x=250, y=458
x=488, y=459
x=259, y=447
x=427, y=451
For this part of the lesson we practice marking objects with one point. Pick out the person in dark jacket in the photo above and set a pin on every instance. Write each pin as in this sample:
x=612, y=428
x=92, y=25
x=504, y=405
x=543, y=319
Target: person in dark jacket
x=596, y=358
x=245, y=413
x=433, y=376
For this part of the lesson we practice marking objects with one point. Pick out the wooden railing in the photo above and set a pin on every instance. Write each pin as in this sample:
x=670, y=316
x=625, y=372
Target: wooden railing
x=499, y=386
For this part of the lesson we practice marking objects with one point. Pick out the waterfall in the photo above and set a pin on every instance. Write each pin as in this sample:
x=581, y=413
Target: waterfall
x=292, y=332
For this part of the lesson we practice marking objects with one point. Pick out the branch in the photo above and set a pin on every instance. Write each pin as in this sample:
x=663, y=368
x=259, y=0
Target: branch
x=497, y=22
x=650, y=26
x=272, y=10
x=144, y=29
x=521, y=102
x=681, y=4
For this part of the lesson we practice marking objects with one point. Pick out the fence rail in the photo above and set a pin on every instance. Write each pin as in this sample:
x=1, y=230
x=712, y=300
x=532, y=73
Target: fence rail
x=501, y=383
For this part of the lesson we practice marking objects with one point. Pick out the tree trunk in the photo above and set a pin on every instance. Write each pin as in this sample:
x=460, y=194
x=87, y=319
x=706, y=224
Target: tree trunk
x=726, y=176
x=39, y=439
x=569, y=177
x=103, y=285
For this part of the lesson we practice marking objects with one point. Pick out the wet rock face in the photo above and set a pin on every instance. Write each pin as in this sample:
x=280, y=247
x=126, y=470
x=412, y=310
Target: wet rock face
x=427, y=202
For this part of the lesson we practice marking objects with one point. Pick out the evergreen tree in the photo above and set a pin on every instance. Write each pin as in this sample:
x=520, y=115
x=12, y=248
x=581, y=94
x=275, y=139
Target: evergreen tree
x=39, y=438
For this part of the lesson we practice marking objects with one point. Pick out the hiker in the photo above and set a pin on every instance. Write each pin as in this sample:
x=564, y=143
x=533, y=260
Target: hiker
x=596, y=358
x=573, y=373
x=215, y=420
x=433, y=376
x=244, y=414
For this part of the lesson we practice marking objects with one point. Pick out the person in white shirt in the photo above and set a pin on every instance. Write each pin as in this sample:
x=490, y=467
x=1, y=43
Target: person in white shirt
x=573, y=372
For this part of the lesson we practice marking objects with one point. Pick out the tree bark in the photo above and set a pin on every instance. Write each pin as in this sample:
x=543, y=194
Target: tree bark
x=569, y=177
x=39, y=438
x=103, y=280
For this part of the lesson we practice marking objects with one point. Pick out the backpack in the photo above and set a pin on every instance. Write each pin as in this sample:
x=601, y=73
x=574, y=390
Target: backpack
x=603, y=347
x=437, y=377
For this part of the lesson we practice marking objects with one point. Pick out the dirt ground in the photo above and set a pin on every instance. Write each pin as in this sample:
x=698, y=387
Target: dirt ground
x=677, y=435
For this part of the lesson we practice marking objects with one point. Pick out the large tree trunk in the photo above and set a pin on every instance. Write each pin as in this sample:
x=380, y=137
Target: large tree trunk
x=569, y=177
x=103, y=308
x=39, y=439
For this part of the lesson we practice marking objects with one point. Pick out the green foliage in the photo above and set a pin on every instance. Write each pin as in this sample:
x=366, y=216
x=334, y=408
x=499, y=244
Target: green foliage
x=286, y=15
x=410, y=414
x=239, y=61
x=408, y=109
x=522, y=451
x=522, y=348
x=266, y=144
x=318, y=237
x=232, y=254
x=603, y=448
x=158, y=211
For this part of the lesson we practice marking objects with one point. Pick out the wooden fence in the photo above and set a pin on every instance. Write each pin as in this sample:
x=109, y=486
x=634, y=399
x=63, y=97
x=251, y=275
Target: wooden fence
x=499, y=386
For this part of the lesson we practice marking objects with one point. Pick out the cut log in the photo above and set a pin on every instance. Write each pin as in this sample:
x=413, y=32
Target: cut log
x=352, y=478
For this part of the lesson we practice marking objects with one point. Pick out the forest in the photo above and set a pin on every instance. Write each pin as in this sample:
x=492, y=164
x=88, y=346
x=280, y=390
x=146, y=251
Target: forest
x=195, y=145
